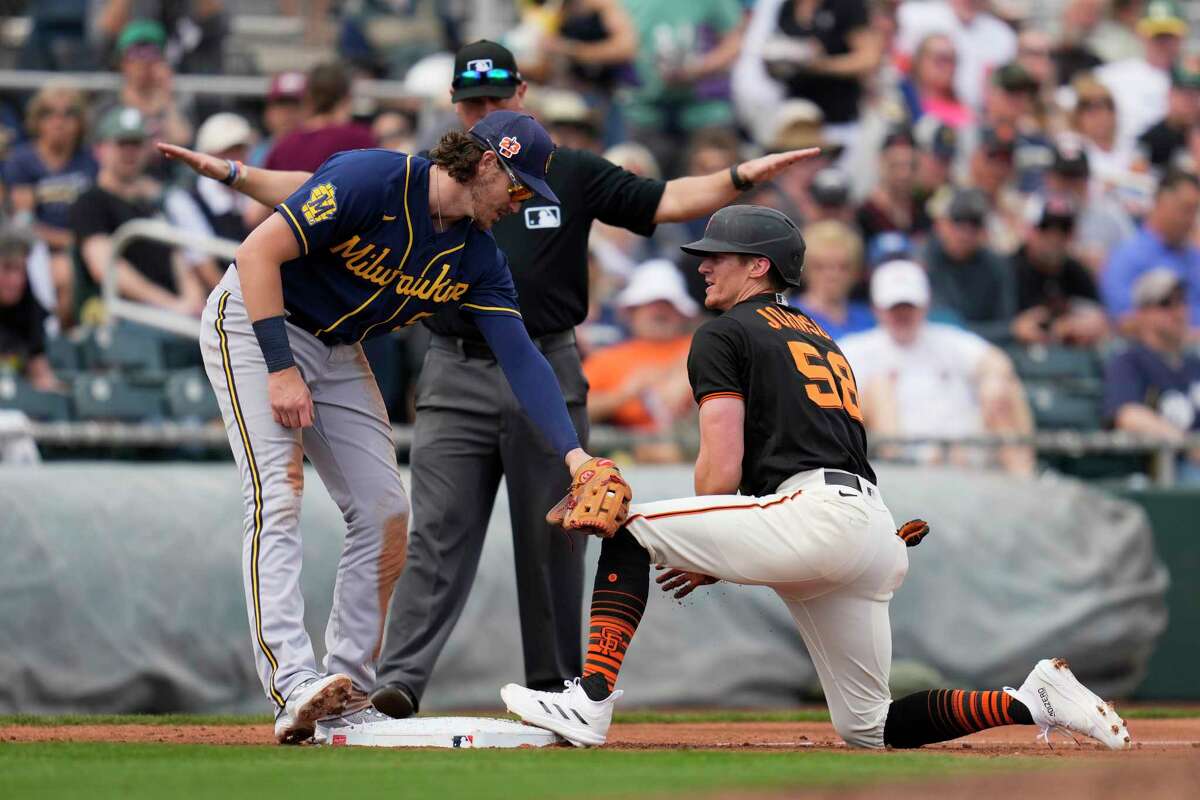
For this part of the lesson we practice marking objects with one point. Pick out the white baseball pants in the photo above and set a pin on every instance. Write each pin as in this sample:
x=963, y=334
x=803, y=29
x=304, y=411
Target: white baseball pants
x=829, y=551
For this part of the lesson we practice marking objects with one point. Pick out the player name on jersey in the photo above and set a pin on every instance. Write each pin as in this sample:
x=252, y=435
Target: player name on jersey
x=779, y=318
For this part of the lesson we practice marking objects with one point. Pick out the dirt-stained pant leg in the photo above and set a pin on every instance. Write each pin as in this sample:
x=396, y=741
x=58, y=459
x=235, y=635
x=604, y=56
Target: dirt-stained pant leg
x=832, y=555
x=350, y=445
x=268, y=461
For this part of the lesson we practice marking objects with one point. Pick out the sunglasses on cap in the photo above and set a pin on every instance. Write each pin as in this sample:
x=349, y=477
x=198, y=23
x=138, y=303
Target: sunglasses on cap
x=517, y=191
x=475, y=77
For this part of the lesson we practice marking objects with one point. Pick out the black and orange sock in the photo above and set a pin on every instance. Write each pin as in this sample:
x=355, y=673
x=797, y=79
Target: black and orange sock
x=941, y=714
x=618, y=602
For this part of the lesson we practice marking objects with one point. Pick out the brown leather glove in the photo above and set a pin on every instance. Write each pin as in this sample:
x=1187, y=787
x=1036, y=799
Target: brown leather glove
x=597, y=502
x=913, y=531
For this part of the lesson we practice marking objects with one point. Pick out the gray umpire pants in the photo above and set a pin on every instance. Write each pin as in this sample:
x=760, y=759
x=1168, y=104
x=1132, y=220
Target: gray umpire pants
x=469, y=431
x=351, y=447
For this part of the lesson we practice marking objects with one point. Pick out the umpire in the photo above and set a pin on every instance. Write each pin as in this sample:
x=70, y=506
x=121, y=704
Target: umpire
x=469, y=429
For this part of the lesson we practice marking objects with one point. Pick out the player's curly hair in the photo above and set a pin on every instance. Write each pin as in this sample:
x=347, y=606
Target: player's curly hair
x=458, y=154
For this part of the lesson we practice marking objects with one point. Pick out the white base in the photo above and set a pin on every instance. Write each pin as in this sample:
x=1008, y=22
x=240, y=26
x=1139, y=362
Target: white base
x=457, y=732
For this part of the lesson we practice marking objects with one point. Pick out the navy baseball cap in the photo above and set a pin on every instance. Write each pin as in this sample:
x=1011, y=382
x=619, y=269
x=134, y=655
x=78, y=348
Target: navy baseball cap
x=522, y=144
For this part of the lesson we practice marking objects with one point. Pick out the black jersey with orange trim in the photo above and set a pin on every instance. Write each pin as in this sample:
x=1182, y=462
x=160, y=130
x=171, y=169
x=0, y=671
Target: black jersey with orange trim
x=370, y=259
x=802, y=403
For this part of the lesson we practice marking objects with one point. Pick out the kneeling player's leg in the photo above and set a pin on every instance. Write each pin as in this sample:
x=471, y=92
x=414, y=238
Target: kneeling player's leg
x=582, y=714
x=736, y=538
x=848, y=634
x=618, y=602
x=941, y=714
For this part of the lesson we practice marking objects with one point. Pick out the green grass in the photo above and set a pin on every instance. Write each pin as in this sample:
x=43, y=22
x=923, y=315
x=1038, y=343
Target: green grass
x=56, y=720
x=628, y=717
x=184, y=771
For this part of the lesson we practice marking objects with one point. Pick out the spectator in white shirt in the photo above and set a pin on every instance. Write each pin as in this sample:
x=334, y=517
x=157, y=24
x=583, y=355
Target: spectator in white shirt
x=208, y=207
x=926, y=379
x=1140, y=85
x=983, y=41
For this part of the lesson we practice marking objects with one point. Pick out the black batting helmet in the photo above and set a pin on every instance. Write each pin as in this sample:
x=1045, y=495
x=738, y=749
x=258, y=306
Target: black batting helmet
x=754, y=231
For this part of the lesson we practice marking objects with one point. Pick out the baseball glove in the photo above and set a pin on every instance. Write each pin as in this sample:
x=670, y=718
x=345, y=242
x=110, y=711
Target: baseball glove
x=913, y=531
x=597, y=502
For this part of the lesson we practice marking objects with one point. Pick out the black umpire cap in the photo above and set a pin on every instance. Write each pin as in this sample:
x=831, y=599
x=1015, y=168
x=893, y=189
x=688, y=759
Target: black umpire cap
x=754, y=231
x=484, y=69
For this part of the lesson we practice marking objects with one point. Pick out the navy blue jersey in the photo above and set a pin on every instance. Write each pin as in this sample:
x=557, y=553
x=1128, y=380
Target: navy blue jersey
x=1141, y=375
x=370, y=260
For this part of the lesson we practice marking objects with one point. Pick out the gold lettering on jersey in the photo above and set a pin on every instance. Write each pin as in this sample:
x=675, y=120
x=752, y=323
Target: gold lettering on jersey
x=439, y=290
x=320, y=205
x=778, y=319
x=361, y=259
x=358, y=260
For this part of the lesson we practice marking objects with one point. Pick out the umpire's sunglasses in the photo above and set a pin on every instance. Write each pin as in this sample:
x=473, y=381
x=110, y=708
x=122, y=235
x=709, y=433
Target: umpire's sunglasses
x=517, y=191
x=474, y=77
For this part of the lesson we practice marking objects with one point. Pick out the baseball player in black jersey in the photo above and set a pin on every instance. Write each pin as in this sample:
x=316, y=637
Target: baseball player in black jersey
x=780, y=422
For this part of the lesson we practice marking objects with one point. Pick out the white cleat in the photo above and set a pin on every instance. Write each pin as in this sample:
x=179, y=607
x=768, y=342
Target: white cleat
x=310, y=701
x=326, y=728
x=570, y=713
x=1057, y=700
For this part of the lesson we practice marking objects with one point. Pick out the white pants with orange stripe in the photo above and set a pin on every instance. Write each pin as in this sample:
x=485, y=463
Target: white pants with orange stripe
x=829, y=551
x=350, y=444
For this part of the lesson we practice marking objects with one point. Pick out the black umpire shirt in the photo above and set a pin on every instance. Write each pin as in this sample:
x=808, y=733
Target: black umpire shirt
x=802, y=409
x=546, y=243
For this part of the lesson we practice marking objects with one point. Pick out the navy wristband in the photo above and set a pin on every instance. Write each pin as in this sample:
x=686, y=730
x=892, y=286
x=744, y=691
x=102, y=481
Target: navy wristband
x=273, y=339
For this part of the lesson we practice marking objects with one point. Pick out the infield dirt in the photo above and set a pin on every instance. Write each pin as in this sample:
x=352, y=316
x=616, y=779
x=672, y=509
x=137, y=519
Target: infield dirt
x=1152, y=737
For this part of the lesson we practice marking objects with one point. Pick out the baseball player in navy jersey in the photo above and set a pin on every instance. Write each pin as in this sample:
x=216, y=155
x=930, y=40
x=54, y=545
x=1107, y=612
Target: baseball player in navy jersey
x=372, y=241
x=780, y=422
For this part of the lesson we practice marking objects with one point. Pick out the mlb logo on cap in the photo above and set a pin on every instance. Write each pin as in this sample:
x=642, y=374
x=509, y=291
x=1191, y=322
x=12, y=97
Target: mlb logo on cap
x=480, y=64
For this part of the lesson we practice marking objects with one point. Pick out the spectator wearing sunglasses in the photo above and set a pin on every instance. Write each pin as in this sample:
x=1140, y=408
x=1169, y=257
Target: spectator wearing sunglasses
x=965, y=275
x=326, y=129
x=1110, y=158
x=46, y=174
x=1164, y=240
x=1153, y=388
x=1057, y=299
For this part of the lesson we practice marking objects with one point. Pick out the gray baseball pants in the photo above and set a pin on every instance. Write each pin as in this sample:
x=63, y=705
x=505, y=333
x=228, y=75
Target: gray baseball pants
x=470, y=430
x=350, y=446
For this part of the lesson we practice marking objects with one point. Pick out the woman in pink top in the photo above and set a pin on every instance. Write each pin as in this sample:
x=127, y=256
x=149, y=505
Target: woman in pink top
x=929, y=88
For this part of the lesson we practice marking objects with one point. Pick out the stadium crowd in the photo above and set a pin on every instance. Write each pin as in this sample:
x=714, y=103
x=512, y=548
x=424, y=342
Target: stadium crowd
x=1003, y=188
